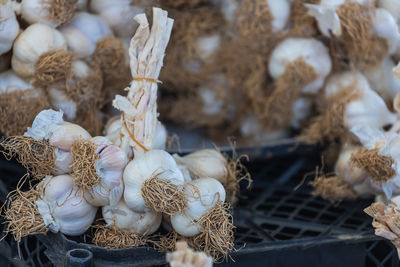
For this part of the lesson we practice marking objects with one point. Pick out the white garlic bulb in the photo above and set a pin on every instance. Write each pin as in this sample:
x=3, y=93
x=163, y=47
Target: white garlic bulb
x=109, y=168
x=125, y=218
x=83, y=32
x=252, y=128
x=33, y=42
x=385, y=25
x=153, y=163
x=205, y=163
x=367, y=108
x=391, y=6
x=10, y=82
x=49, y=125
x=383, y=81
x=52, y=13
x=9, y=27
x=312, y=51
x=202, y=195
x=119, y=15
x=62, y=207
x=388, y=144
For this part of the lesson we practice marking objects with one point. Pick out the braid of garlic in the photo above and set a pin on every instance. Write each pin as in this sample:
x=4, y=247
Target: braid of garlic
x=139, y=108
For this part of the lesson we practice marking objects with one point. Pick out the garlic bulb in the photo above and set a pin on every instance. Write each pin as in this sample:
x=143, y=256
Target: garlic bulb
x=314, y=54
x=10, y=82
x=52, y=13
x=391, y=6
x=35, y=41
x=155, y=163
x=202, y=195
x=83, y=32
x=367, y=107
x=386, y=146
x=383, y=81
x=49, y=125
x=125, y=218
x=62, y=207
x=205, y=163
x=118, y=14
x=61, y=101
x=252, y=129
x=9, y=27
x=109, y=168
x=385, y=25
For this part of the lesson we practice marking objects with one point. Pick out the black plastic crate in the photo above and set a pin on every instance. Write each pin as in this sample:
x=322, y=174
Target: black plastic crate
x=276, y=226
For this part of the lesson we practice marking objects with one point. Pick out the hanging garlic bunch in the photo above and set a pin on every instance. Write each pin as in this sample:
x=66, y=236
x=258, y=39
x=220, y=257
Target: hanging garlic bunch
x=55, y=205
x=41, y=52
x=9, y=27
x=20, y=101
x=45, y=148
x=298, y=66
x=118, y=14
x=97, y=167
x=350, y=101
x=386, y=220
x=50, y=12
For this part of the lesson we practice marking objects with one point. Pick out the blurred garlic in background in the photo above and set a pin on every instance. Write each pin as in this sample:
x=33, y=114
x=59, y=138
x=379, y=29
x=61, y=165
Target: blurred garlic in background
x=9, y=26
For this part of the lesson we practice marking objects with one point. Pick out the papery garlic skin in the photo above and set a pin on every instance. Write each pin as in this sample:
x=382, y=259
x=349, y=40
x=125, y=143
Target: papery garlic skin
x=9, y=27
x=109, y=168
x=62, y=207
x=205, y=163
x=383, y=81
x=312, y=51
x=367, y=109
x=83, y=32
x=202, y=195
x=125, y=218
x=118, y=14
x=152, y=163
x=33, y=42
x=385, y=25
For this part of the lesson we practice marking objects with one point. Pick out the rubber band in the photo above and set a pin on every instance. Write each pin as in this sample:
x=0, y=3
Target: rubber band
x=144, y=79
x=131, y=135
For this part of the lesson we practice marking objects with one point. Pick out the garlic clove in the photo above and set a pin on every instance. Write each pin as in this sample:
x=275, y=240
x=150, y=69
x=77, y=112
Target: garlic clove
x=123, y=217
